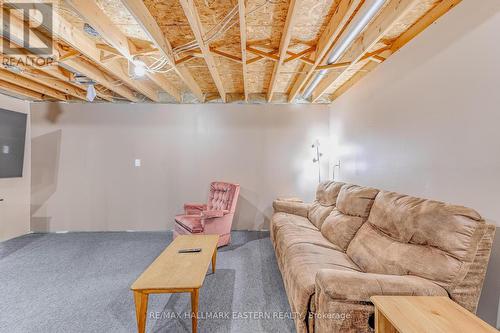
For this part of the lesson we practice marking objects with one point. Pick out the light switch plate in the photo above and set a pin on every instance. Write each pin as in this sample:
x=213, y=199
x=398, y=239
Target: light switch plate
x=137, y=163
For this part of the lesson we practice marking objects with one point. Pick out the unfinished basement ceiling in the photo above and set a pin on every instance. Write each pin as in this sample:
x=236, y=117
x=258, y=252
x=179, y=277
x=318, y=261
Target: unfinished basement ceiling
x=192, y=51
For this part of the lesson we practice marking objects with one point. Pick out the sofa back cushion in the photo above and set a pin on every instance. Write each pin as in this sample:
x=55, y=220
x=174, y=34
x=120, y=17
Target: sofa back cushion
x=352, y=209
x=326, y=197
x=406, y=235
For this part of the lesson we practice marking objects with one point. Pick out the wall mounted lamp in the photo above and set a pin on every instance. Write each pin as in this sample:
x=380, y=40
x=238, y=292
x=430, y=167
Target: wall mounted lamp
x=317, y=158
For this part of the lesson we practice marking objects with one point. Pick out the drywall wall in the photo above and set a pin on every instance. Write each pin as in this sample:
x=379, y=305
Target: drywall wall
x=84, y=178
x=426, y=122
x=15, y=208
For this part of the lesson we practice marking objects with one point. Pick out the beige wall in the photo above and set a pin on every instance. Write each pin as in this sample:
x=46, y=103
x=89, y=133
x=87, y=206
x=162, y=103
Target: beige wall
x=426, y=122
x=83, y=161
x=15, y=209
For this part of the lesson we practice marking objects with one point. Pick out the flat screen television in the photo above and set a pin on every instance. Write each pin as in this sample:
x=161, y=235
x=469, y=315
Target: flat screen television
x=12, y=137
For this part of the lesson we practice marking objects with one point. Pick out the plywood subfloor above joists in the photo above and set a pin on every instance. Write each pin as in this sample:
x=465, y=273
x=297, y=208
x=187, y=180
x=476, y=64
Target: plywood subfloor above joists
x=192, y=50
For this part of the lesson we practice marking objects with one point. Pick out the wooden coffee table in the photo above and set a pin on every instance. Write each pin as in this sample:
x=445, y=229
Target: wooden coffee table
x=174, y=272
x=417, y=314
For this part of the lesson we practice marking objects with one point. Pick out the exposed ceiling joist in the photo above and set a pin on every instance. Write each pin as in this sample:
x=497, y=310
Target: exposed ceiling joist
x=78, y=40
x=344, y=11
x=387, y=18
x=431, y=16
x=191, y=13
x=45, y=79
x=8, y=76
x=17, y=24
x=17, y=90
x=243, y=42
x=142, y=15
x=283, y=48
x=94, y=16
x=105, y=58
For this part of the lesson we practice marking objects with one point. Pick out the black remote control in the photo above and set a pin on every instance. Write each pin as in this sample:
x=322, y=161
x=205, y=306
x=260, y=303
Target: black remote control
x=190, y=250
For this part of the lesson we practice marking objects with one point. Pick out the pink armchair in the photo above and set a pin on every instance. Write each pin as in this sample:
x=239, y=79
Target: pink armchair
x=215, y=217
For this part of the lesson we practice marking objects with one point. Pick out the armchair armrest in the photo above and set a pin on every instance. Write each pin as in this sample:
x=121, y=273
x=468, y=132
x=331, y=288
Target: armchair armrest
x=291, y=207
x=357, y=286
x=194, y=208
x=209, y=214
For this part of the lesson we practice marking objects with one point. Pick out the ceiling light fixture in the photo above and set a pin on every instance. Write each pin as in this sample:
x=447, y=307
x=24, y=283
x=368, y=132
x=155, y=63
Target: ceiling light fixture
x=370, y=9
x=91, y=93
x=139, y=68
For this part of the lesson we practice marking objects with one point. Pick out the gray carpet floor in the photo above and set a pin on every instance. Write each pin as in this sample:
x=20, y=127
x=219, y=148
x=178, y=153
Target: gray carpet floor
x=79, y=282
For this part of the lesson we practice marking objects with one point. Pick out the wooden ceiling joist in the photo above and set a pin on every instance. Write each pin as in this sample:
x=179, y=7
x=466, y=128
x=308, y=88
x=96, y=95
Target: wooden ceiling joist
x=283, y=48
x=85, y=69
x=94, y=16
x=107, y=58
x=243, y=42
x=77, y=39
x=17, y=90
x=343, y=13
x=385, y=20
x=431, y=16
x=191, y=13
x=43, y=78
x=19, y=80
x=142, y=15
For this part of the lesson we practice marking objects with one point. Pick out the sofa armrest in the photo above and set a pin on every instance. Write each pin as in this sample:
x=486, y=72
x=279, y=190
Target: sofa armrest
x=209, y=214
x=194, y=208
x=358, y=286
x=291, y=207
x=342, y=298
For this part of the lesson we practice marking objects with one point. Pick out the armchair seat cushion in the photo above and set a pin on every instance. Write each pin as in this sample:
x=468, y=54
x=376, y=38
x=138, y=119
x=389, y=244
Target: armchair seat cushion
x=192, y=223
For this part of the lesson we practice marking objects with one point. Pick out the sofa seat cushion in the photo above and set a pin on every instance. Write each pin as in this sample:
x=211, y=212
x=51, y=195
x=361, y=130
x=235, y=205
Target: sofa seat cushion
x=301, y=262
x=291, y=235
x=192, y=223
x=283, y=220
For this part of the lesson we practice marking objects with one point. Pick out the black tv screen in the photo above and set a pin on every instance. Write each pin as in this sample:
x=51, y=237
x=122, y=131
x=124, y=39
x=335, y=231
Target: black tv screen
x=12, y=137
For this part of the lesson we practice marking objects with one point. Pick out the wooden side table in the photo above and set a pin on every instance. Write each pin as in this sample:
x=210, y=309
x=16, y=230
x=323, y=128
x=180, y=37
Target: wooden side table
x=418, y=314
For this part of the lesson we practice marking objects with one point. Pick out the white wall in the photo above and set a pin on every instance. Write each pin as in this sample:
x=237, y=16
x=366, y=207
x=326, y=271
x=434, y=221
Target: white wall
x=426, y=122
x=15, y=209
x=84, y=176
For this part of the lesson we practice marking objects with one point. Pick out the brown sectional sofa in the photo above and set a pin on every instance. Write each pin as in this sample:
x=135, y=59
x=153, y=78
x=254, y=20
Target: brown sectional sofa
x=354, y=242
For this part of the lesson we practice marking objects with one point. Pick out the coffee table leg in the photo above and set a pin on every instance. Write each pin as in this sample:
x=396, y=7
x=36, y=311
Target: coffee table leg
x=194, y=309
x=214, y=259
x=141, y=307
x=382, y=324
